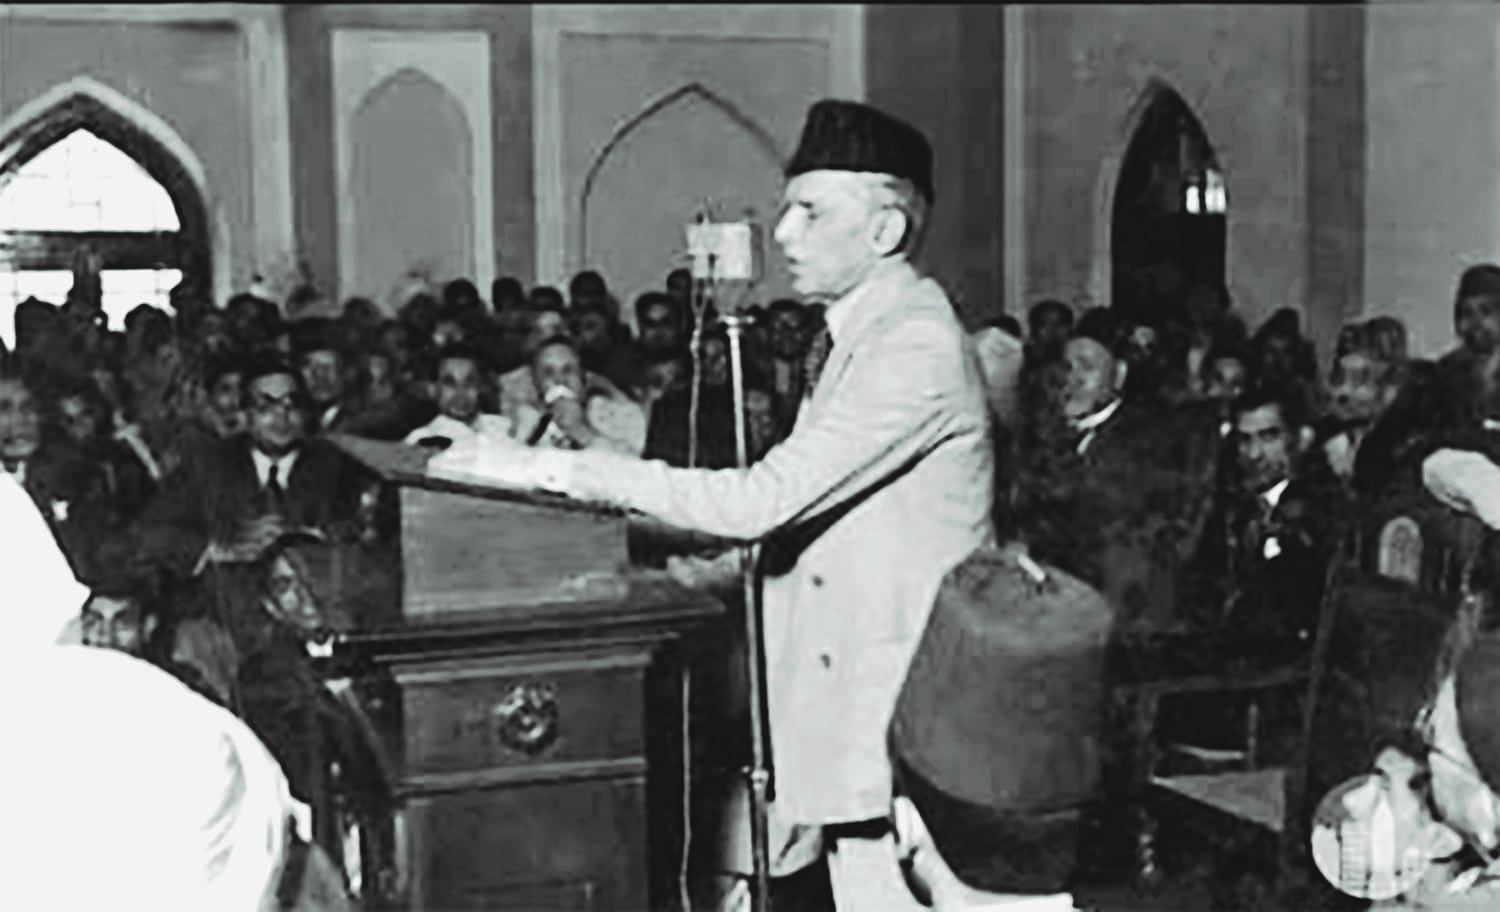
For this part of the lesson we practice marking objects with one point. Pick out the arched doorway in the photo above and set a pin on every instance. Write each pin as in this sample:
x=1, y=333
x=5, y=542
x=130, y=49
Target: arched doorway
x=1168, y=225
x=83, y=177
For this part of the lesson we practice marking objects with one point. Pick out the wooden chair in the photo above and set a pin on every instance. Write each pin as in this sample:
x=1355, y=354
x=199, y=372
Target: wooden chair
x=1389, y=592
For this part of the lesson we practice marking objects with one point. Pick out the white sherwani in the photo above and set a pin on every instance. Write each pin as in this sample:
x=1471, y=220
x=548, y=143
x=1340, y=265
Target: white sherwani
x=892, y=454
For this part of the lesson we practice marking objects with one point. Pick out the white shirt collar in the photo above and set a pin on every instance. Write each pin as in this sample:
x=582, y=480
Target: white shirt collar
x=1090, y=422
x=329, y=414
x=1272, y=495
x=263, y=466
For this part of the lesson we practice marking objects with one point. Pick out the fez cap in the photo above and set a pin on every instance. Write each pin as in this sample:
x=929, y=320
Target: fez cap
x=1483, y=279
x=995, y=735
x=1106, y=327
x=848, y=136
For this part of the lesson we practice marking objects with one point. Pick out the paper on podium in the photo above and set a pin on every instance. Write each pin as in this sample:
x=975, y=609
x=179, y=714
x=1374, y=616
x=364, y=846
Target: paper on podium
x=489, y=461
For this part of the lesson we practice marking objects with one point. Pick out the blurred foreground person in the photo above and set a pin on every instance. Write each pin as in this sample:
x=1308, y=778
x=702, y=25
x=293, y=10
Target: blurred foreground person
x=205, y=822
x=36, y=567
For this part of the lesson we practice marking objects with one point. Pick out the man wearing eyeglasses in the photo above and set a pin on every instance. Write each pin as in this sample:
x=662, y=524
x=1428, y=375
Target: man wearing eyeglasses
x=230, y=505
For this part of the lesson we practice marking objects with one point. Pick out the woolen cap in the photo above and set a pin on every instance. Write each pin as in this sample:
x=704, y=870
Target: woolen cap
x=848, y=136
x=996, y=732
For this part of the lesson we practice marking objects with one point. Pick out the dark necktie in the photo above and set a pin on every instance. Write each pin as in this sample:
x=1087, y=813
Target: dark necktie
x=273, y=493
x=816, y=360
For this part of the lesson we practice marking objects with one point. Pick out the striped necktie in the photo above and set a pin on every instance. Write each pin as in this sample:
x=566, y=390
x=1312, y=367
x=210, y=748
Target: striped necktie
x=816, y=360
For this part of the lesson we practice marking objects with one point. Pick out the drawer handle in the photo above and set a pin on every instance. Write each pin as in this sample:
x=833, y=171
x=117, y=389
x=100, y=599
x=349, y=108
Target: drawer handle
x=527, y=719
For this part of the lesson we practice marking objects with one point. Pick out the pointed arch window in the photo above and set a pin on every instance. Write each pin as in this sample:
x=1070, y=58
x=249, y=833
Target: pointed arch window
x=83, y=177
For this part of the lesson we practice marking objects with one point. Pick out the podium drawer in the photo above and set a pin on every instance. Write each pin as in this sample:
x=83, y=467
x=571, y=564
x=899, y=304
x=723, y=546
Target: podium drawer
x=552, y=712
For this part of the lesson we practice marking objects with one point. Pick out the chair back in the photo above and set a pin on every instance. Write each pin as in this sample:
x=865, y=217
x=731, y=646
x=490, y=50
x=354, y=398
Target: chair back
x=1392, y=610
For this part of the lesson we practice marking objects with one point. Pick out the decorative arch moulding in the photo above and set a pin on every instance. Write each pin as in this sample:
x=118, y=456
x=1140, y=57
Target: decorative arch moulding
x=665, y=102
x=841, y=27
x=364, y=59
x=86, y=103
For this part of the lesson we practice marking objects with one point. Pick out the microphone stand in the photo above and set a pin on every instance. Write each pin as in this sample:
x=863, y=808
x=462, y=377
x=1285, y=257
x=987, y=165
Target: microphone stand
x=758, y=774
x=701, y=293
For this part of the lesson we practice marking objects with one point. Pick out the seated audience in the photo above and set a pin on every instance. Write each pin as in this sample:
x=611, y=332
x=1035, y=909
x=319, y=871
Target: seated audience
x=679, y=289
x=249, y=489
x=1362, y=385
x=602, y=350
x=662, y=324
x=665, y=372
x=1108, y=490
x=1270, y=535
x=575, y=411
x=667, y=436
x=68, y=490
x=787, y=332
x=321, y=363
x=127, y=482
x=460, y=385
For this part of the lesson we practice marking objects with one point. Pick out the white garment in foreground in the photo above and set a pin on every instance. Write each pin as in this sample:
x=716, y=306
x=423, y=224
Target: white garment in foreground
x=124, y=789
x=47, y=597
x=487, y=426
x=1466, y=481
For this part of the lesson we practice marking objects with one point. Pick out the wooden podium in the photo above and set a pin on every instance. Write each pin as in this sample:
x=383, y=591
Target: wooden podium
x=525, y=684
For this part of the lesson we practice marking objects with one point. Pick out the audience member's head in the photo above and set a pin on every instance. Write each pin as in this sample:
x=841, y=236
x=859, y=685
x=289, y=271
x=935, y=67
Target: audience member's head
x=276, y=404
x=545, y=297
x=666, y=371
x=1367, y=371
x=147, y=329
x=587, y=289
x=714, y=358
x=545, y=322
x=375, y=374
x=460, y=296
x=659, y=323
x=1226, y=372
x=786, y=321
x=1097, y=368
x=34, y=320
x=20, y=418
x=320, y=359
x=1050, y=323
x=361, y=312
x=419, y=313
x=761, y=429
x=1476, y=308
x=81, y=411
x=507, y=294
x=1387, y=339
x=224, y=381
x=1279, y=348
x=680, y=288
x=460, y=383
x=1206, y=303
x=1270, y=433
x=451, y=328
x=555, y=363
x=119, y=614
x=592, y=327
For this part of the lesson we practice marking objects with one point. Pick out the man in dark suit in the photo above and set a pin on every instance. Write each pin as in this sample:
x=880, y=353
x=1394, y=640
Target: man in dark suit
x=1271, y=532
x=69, y=492
x=250, y=488
x=1110, y=491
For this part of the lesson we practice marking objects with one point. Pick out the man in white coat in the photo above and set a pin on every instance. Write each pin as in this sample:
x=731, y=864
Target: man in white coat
x=884, y=484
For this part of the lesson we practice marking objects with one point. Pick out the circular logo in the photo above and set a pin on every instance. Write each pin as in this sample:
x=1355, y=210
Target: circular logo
x=1368, y=839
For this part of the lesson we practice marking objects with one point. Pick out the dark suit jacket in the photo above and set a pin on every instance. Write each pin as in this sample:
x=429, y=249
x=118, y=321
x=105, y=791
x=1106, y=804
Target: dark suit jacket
x=1241, y=591
x=205, y=501
x=1122, y=515
x=73, y=496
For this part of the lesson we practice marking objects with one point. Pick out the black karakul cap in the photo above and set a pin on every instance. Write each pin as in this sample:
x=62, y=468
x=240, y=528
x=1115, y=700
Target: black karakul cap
x=848, y=136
